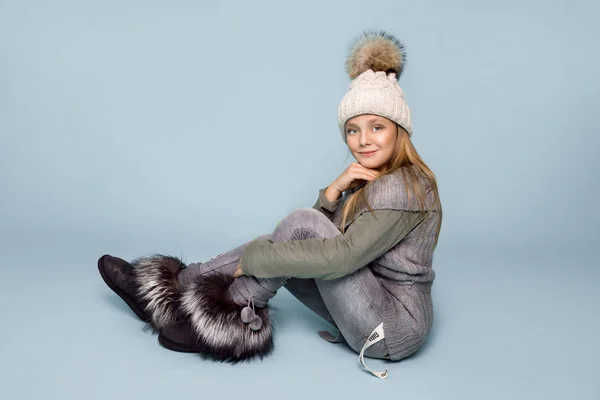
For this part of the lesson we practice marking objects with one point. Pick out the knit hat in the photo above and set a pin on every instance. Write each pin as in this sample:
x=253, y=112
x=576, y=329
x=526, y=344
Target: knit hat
x=375, y=63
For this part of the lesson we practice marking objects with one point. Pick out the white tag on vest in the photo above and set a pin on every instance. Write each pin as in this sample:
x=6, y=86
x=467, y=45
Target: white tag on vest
x=373, y=338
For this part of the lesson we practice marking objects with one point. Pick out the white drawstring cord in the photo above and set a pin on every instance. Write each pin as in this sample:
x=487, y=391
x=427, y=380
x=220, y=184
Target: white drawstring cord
x=373, y=338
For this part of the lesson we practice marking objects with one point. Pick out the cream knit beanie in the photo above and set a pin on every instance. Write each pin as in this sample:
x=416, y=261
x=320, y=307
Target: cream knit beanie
x=375, y=64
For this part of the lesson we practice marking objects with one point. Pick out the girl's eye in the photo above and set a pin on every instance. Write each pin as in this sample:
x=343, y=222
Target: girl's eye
x=378, y=127
x=349, y=130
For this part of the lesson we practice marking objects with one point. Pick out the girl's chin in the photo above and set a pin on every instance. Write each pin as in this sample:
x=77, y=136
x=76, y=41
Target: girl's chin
x=370, y=164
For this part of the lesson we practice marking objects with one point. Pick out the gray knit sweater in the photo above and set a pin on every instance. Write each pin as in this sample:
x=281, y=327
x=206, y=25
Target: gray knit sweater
x=406, y=270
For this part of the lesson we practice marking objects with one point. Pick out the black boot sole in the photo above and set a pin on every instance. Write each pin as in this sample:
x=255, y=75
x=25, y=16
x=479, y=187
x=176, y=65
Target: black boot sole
x=176, y=346
x=130, y=301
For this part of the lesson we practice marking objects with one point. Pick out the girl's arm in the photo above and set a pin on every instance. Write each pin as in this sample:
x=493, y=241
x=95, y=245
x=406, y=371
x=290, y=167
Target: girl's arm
x=370, y=236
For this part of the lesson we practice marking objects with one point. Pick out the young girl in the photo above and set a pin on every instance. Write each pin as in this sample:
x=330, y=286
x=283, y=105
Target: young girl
x=361, y=257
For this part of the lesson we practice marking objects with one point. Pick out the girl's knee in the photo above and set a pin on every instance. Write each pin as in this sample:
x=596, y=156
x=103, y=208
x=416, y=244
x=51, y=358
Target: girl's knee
x=304, y=223
x=304, y=214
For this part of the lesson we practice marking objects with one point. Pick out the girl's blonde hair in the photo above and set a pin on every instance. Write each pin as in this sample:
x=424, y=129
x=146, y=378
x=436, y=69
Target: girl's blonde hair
x=405, y=159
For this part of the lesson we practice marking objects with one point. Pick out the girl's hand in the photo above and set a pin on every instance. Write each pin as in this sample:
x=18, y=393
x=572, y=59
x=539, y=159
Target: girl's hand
x=353, y=176
x=238, y=272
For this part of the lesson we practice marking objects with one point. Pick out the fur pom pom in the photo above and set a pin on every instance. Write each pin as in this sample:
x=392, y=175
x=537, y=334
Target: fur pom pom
x=379, y=51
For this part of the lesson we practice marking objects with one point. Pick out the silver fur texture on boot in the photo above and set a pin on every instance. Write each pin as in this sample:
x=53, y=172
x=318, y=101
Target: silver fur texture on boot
x=156, y=279
x=216, y=321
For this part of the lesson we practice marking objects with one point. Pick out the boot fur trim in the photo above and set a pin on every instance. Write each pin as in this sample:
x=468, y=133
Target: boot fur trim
x=157, y=287
x=217, y=323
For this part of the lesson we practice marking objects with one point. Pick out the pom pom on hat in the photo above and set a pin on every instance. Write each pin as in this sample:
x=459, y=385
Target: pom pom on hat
x=376, y=50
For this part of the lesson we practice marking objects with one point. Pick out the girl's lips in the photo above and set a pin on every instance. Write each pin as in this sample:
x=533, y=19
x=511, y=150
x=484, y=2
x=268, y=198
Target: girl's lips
x=369, y=154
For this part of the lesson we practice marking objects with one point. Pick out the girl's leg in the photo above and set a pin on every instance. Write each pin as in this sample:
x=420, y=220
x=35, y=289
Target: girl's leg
x=242, y=287
x=305, y=290
x=225, y=262
x=354, y=302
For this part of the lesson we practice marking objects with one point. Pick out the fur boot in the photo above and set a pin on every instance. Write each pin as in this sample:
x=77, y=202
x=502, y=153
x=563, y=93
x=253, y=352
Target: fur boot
x=148, y=285
x=213, y=326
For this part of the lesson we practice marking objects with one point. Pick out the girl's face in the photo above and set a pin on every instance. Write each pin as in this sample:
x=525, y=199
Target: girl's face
x=367, y=133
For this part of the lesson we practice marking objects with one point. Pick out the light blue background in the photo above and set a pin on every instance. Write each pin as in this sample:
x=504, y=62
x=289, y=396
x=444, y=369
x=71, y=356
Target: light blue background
x=129, y=127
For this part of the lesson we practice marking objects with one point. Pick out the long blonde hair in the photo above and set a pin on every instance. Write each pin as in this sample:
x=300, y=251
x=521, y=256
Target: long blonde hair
x=406, y=159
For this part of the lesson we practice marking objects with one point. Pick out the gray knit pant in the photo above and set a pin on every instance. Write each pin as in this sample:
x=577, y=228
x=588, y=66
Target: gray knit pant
x=352, y=303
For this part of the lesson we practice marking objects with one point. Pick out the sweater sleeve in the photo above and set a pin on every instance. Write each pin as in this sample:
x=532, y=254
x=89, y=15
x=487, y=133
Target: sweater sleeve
x=370, y=236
